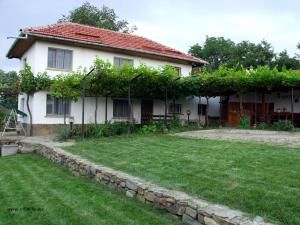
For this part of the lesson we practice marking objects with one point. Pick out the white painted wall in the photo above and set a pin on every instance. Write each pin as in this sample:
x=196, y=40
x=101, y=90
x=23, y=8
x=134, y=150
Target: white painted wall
x=37, y=57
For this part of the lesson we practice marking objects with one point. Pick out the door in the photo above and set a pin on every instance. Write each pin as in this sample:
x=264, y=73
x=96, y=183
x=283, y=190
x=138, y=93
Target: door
x=147, y=112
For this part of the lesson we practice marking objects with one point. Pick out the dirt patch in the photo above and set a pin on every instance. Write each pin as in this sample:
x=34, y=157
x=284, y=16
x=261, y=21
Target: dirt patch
x=291, y=139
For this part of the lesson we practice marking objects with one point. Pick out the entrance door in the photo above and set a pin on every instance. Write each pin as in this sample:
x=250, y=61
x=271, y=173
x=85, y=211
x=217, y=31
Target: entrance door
x=147, y=112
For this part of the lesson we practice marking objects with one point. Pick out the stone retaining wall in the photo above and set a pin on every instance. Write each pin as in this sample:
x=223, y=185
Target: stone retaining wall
x=190, y=210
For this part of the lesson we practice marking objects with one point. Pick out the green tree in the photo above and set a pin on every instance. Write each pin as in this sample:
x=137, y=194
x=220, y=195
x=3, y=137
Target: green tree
x=9, y=88
x=283, y=60
x=220, y=51
x=216, y=50
x=249, y=54
x=103, y=17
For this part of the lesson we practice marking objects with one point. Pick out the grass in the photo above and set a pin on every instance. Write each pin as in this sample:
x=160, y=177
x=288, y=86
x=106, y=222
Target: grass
x=57, y=197
x=255, y=178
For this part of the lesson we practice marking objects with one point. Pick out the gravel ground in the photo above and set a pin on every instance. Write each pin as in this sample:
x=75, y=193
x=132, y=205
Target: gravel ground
x=291, y=139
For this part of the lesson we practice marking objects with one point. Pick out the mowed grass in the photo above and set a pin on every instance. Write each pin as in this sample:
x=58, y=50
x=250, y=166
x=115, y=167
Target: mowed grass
x=255, y=178
x=47, y=194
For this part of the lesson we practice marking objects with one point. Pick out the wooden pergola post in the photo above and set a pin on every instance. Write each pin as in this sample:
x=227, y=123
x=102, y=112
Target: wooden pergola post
x=292, y=105
x=263, y=107
x=166, y=99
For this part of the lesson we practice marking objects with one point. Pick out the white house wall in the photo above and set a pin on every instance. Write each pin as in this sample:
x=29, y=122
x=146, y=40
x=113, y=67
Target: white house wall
x=37, y=58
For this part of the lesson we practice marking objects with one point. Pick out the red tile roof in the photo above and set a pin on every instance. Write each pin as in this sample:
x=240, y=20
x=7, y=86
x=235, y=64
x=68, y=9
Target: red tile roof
x=79, y=32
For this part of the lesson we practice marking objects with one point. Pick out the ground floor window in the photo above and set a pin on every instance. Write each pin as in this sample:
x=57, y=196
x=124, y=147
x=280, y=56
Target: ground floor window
x=120, y=108
x=202, y=109
x=57, y=106
x=177, y=108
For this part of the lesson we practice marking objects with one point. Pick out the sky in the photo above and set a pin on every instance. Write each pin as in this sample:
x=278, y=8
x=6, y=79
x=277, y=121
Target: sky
x=175, y=23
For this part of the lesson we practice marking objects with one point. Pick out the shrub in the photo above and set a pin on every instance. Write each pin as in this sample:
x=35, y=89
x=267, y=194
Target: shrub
x=284, y=125
x=148, y=129
x=263, y=126
x=244, y=123
x=175, y=122
x=63, y=134
x=109, y=129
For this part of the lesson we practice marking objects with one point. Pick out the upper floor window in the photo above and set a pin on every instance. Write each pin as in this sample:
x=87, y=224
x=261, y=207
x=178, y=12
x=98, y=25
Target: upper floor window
x=178, y=69
x=57, y=107
x=60, y=59
x=121, y=61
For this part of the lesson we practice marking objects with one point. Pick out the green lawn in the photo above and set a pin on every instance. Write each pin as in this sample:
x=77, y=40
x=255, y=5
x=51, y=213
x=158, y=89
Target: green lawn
x=255, y=178
x=58, y=197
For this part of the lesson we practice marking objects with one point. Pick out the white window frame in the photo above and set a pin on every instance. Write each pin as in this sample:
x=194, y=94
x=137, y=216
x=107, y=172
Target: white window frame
x=56, y=67
x=130, y=61
x=60, y=104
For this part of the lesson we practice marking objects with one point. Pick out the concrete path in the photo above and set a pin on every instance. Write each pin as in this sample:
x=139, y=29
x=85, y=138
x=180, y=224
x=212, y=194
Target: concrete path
x=291, y=139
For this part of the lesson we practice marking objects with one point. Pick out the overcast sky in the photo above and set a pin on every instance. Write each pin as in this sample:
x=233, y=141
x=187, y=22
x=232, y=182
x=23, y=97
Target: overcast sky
x=176, y=23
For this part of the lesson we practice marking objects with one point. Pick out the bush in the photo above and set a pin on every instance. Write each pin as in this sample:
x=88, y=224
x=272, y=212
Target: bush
x=148, y=129
x=244, y=123
x=63, y=134
x=174, y=122
x=263, y=126
x=284, y=125
x=109, y=129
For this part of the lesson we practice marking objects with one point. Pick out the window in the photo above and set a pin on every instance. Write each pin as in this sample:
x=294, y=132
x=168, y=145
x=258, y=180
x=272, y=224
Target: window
x=60, y=59
x=121, y=61
x=178, y=69
x=121, y=108
x=56, y=106
x=177, y=108
x=201, y=109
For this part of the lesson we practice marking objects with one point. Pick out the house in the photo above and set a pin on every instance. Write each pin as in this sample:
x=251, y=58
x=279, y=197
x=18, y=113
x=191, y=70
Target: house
x=65, y=47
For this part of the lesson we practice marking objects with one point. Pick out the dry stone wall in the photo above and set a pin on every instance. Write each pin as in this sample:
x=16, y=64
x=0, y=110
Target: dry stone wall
x=190, y=210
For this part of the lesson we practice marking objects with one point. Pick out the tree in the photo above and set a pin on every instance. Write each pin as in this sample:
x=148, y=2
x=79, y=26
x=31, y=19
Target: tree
x=103, y=17
x=249, y=54
x=220, y=51
x=283, y=60
x=216, y=50
x=9, y=88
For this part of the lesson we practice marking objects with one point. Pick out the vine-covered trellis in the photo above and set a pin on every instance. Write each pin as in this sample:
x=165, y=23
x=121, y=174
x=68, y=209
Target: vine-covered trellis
x=107, y=80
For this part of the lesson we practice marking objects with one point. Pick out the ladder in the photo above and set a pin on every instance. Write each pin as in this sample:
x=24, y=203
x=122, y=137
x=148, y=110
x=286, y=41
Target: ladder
x=11, y=123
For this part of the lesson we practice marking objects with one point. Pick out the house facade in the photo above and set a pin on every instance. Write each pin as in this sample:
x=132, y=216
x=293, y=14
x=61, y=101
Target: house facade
x=66, y=47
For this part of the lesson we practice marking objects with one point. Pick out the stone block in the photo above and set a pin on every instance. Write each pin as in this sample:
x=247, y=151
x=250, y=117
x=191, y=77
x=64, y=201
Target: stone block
x=189, y=220
x=130, y=194
x=191, y=212
x=10, y=149
x=131, y=185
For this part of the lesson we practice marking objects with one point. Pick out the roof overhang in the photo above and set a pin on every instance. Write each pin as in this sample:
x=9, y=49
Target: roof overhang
x=20, y=46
